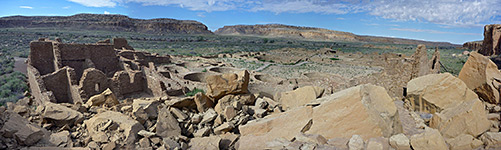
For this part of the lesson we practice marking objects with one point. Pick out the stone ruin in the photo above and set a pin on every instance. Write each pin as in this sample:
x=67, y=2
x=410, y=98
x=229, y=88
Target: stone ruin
x=71, y=73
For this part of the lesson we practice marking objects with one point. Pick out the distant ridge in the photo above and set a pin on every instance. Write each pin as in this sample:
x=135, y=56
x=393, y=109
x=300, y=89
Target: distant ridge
x=288, y=31
x=106, y=22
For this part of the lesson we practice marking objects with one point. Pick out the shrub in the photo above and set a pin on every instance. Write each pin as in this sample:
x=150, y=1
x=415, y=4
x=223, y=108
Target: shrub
x=194, y=91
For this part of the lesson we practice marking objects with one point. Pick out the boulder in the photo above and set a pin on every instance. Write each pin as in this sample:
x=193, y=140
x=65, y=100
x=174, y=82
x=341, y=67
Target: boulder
x=481, y=75
x=61, y=115
x=430, y=139
x=203, y=102
x=420, y=66
x=148, y=106
x=221, y=85
x=435, y=92
x=365, y=110
x=300, y=96
x=107, y=98
x=21, y=130
x=167, y=125
x=468, y=117
x=400, y=142
x=464, y=141
x=491, y=139
x=356, y=143
x=129, y=126
x=205, y=143
x=60, y=138
x=284, y=125
x=234, y=100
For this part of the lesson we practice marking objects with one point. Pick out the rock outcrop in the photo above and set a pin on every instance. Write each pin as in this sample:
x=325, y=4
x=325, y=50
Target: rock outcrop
x=365, y=110
x=492, y=40
x=475, y=45
x=106, y=22
x=482, y=76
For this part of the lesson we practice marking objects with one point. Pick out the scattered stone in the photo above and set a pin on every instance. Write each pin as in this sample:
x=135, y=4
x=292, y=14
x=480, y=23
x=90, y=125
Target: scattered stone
x=203, y=102
x=202, y=132
x=228, y=140
x=107, y=98
x=223, y=128
x=400, y=142
x=21, y=130
x=356, y=143
x=430, y=139
x=145, y=133
x=229, y=112
x=205, y=143
x=208, y=116
x=167, y=125
x=300, y=96
x=464, y=141
x=178, y=113
x=61, y=115
x=60, y=138
x=149, y=107
x=491, y=139
x=311, y=138
x=129, y=126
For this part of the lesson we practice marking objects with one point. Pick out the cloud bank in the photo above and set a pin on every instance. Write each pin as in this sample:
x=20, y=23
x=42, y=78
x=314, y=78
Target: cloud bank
x=446, y=12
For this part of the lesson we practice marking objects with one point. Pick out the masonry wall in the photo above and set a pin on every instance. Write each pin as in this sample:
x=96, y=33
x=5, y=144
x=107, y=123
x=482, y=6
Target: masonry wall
x=42, y=56
x=80, y=56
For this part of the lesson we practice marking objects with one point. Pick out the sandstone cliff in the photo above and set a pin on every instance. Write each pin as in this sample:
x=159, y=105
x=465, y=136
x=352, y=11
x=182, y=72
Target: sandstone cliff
x=106, y=22
x=474, y=45
x=279, y=30
x=492, y=40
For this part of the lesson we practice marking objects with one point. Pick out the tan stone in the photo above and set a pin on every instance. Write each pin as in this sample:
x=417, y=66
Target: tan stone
x=230, y=100
x=107, y=98
x=61, y=115
x=356, y=143
x=481, y=75
x=203, y=102
x=150, y=107
x=464, y=142
x=491, y=139
x=167, y=125
x=435, y=92
x=430, y=139
x=285, y=125
x=221, y=85
x=366, y=110
x=205, y=143
x=300, y=96
x=468, y=117
x=400, y=142
x=21, y=130
x=129, y=126
x=59, y=138
x=491, y=45
x=420, y=65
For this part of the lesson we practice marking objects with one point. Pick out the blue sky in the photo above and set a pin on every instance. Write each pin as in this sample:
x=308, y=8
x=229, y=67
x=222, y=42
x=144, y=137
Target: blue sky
x=455, y=21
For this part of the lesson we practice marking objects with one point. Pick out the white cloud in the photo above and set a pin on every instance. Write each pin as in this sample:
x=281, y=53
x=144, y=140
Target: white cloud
x=67, y=7
x=431, y=31
x=97, y=3
x=26, y=7
x=106, y=12
x=201, y=14
x=340, y=18
x=444, y=12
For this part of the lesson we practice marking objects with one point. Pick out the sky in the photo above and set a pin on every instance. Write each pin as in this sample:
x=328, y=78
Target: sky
x=455, y=21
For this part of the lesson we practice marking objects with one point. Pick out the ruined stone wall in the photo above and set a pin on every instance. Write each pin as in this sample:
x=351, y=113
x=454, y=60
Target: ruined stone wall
x=129, y=83
x=61, y=84
x=42, y=56
x=37, y=86
x=83, y=56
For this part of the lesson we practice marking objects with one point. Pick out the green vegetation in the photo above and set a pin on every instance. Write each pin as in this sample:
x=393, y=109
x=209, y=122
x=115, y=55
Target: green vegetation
x=194, y=91
x=205, y=70
x=12, y=87
x=334, y=58
x=14, y=42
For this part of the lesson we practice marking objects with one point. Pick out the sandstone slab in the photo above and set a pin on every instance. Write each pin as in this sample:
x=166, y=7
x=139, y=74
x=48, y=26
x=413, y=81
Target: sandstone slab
x=220, y=85
x=481, y=75
x=129, y=126
x=300, y=96
x=430, y=139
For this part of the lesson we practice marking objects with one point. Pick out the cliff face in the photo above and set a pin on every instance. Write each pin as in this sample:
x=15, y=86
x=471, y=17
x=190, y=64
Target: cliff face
x=278, y=30
x=475, y=45
x=492, y=40
x=107, y=22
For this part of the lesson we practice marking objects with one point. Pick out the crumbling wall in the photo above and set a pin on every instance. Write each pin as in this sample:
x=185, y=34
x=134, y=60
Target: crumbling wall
x=82, y=56
x=92, y=82
x=159, y=85
x=37, y=87
x=42, y=56
x=59, y=83
x=129, y=83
